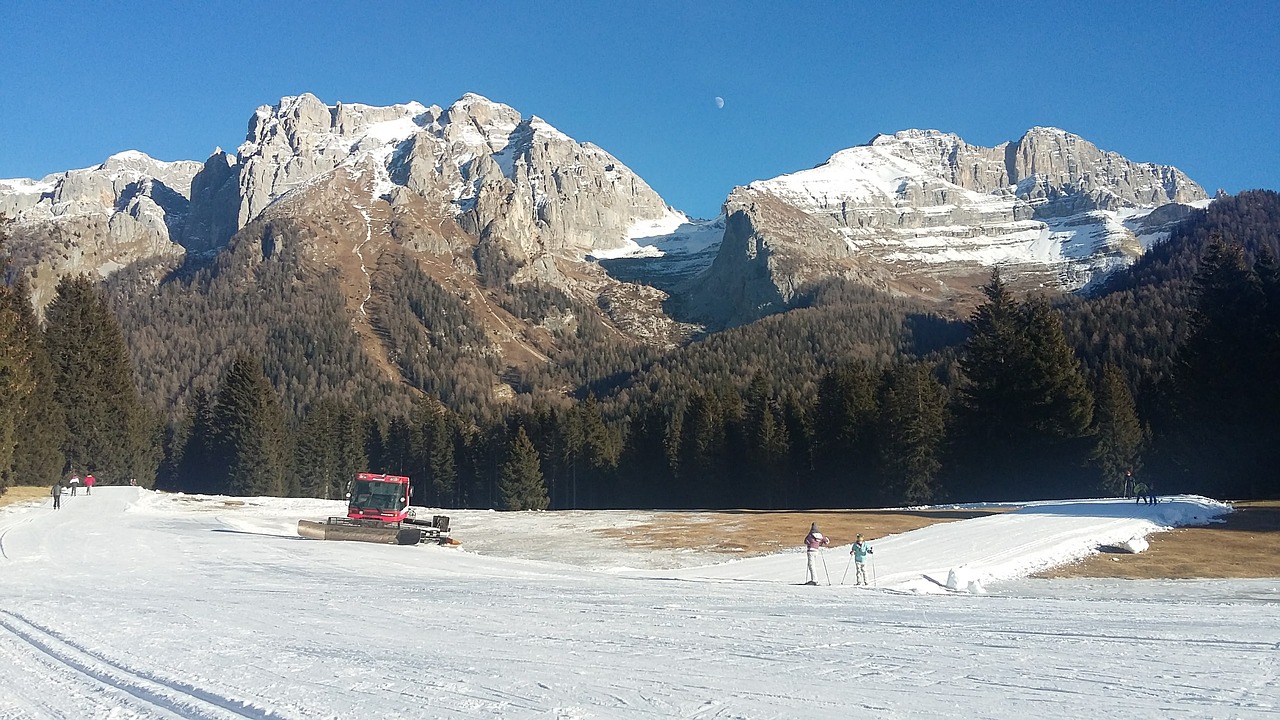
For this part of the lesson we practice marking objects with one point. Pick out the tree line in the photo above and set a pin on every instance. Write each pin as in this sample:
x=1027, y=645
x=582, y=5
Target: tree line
x=853, y=400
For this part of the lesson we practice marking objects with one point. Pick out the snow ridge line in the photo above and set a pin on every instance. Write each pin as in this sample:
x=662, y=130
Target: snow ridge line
x=173, y=695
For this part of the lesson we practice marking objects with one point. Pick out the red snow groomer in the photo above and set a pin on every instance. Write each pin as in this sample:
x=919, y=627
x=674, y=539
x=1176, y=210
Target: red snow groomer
x=378, y=511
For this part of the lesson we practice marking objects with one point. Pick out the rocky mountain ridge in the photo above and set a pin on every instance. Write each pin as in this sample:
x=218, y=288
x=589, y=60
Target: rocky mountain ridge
x=484, y=198
x=923, y=213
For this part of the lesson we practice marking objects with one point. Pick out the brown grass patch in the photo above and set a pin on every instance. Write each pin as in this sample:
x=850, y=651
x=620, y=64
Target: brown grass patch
x=747, y=533
x=22, y=493
x=1246, y=545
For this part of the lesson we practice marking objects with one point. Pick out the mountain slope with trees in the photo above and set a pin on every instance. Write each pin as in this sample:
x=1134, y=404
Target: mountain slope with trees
x=851, y=399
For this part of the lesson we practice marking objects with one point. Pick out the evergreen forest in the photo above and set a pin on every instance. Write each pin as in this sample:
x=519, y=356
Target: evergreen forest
x=211, y=383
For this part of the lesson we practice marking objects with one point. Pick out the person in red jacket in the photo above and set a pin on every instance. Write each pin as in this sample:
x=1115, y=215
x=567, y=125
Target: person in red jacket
x=813, y=542
x=88, y=484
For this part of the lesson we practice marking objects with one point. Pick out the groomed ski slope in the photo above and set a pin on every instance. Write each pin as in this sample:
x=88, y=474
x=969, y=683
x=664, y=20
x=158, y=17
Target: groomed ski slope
x=133, y=604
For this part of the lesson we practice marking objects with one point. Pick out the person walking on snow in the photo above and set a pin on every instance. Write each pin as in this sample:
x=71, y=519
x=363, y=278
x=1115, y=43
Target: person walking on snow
x=814, y=542
x=860, y=551
x=88, y=484
x=56, y=492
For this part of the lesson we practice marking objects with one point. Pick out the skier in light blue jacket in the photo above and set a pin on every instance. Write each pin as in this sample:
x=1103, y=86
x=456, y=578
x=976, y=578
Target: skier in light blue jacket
x=860, y=551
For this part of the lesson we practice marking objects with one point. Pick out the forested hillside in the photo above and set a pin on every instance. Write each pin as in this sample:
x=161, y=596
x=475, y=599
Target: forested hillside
x=253, y=383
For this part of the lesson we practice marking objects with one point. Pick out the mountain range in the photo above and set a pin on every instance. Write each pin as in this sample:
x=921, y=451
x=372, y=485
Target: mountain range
x=481, y=199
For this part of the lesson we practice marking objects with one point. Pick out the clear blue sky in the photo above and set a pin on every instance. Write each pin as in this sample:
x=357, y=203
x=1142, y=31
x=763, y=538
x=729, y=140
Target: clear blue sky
x=1189, y=84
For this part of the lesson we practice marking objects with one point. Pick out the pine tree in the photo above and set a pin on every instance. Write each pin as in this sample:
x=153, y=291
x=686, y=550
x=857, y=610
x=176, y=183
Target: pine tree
x=109, y=432
x=328, y=450
x=1024, y=407
x=41, y=432
x=768, y=446
x=1118, y=433
x=251, y=447
x=440, y=459
x=912, y=428
x=844, y=439
x=520, y=477
x=194, y=443
x=16, y=378
x=702, y=450
x=1225, y=429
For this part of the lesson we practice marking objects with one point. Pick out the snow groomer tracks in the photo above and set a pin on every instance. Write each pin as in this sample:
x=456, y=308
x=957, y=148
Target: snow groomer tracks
x=147, y=693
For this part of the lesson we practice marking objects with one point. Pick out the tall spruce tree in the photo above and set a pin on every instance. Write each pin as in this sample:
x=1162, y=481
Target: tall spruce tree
x=912, y=429
x=701, y=454
x=41, y=431
x=328, y=450
x=109, y=432
x=1118, y=433
x=768, y=447
x=441, y=463
x=1225, y=429
x=16, y=381
x=520, y=476
x=1024, y=408
x=193, y=457
x=251, y=445
x=844, y=438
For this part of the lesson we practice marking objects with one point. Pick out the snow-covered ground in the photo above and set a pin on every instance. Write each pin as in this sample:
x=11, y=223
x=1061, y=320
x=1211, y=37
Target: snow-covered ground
x=133, y=604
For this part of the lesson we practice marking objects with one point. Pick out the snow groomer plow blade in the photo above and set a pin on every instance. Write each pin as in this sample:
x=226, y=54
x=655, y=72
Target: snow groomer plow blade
x=378, y=512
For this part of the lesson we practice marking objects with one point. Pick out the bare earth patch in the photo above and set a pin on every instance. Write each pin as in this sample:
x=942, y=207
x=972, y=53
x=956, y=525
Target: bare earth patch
x=749, y=533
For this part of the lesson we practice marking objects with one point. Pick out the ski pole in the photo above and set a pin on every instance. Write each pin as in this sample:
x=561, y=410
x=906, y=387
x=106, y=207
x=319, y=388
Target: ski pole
x=874, y=583
x=822, y=553
x=846, y=568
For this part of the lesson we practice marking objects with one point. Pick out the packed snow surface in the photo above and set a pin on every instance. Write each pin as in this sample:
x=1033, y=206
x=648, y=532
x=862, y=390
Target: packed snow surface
x=134, y=604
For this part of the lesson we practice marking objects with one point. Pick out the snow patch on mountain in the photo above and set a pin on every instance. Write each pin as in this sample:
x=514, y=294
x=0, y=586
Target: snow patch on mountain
x=928, y=200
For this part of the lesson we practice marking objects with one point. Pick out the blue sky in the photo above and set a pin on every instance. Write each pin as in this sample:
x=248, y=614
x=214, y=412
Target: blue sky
x=1187, y=84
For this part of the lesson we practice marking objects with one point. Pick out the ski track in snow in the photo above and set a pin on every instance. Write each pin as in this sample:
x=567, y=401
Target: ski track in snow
x=181, y=698
x=133, y=604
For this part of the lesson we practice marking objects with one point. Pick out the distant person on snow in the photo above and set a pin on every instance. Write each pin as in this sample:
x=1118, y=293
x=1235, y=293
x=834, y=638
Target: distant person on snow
x=1139, y=493
x=814, y=542
x=860, y=551
x=75, y=483
x=56, y=492
x=1128, y=484
x=1151, y=493
x=88, y=483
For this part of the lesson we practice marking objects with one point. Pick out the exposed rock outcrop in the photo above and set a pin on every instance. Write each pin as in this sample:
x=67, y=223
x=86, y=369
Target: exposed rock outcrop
x=97, y=219
x=923, y=209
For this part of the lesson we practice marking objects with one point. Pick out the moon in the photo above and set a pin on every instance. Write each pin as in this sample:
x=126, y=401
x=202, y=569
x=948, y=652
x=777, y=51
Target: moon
x=719, y=102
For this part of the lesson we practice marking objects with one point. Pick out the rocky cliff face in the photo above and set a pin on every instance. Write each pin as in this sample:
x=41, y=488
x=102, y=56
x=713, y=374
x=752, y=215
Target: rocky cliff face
x=924, y=213
x=97, y=219
x=496, y=198
x=535, y=195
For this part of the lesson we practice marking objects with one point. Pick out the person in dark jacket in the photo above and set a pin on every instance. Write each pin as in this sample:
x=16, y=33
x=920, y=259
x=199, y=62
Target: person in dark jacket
x=56, y=492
